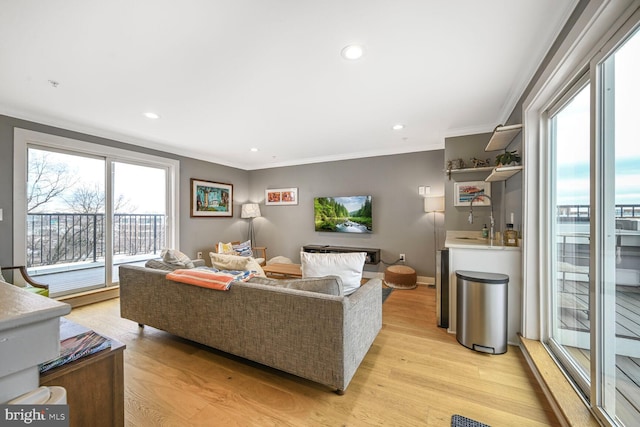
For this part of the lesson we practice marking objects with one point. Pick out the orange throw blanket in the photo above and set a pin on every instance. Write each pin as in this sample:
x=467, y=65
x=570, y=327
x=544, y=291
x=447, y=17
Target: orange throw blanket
x=209, y=278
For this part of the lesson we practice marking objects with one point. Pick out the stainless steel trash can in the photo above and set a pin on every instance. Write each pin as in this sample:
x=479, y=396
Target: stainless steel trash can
x=481, y=311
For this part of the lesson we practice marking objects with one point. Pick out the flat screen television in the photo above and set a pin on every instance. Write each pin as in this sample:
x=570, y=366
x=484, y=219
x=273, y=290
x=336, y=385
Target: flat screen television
x=346, y=214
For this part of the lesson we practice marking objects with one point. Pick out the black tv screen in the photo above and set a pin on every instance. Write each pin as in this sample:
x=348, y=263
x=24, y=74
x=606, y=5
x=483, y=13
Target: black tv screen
x=347, y=214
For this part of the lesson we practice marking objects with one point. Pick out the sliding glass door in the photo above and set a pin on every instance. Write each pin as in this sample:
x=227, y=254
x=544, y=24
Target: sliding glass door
x=139, y=213
x=65, y=220
x=82, y=209
x=594, y=230
x=618, y=234
x=570, y=233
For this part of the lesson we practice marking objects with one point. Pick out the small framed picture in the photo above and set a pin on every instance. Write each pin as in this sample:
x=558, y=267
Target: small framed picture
x=211, y=199
x=281, y=196
x=464, y=192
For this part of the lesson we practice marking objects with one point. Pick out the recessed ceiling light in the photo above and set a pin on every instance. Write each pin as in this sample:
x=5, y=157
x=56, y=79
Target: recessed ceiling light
x=151, y=115
x=352, y=52
x=254, y=149
x=398, y=126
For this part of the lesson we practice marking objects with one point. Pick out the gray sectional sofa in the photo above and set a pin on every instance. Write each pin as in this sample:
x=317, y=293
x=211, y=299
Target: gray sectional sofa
x=313, y=335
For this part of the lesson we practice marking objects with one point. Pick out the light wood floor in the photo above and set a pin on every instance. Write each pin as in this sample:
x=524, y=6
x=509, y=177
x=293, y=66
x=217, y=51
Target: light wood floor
x=415, y=374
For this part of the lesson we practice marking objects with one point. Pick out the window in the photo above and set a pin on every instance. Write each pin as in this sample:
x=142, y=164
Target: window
x=85, y=208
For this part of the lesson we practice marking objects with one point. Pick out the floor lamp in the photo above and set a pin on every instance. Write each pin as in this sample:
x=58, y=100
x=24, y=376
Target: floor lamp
x=434, y=204
x=250, y=211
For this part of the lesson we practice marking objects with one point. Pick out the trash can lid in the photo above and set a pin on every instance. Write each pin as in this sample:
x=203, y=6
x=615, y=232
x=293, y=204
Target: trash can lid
x=482, y=277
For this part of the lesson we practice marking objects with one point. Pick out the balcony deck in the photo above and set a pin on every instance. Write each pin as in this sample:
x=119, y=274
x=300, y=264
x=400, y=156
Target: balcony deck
x=82, y=277
x=627, y=330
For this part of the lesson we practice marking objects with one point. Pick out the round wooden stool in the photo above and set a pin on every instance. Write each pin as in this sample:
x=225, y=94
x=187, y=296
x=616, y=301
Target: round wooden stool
x=400, y=277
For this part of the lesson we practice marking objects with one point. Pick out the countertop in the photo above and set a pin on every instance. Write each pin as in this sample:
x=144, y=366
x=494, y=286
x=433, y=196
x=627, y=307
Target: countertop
x=474, y=240
x=19, y=307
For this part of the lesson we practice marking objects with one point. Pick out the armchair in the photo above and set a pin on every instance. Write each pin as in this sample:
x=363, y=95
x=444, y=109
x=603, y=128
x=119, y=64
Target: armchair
x=32, y=285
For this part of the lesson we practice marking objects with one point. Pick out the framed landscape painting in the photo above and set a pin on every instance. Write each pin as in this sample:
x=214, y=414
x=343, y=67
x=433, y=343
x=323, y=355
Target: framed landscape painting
x=211, y=199
x=464, y=192
x=281, y=196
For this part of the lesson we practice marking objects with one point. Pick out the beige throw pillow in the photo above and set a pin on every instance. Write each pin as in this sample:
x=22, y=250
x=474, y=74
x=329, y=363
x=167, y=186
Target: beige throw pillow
x=235, y=262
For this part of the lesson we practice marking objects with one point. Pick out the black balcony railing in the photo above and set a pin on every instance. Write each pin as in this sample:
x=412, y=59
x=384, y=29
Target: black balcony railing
x=56, y=238
x=582, y=213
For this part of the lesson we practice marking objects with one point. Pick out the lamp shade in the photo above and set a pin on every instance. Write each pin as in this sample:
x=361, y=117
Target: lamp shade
x=434, y=204
x=250, y=210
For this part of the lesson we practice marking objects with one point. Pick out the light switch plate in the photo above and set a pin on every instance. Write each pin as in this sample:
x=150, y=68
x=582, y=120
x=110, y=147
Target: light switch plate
x=424, y=190
x=0, y=214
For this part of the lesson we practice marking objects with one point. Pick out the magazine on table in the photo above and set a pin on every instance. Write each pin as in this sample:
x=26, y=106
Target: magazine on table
x=76, y=341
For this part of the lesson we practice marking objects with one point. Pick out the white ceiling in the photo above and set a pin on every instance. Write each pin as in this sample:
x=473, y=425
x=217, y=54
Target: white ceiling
x=229, y=75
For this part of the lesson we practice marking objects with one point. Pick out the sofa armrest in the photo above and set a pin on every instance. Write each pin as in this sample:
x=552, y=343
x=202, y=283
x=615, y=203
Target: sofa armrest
x=363, y=321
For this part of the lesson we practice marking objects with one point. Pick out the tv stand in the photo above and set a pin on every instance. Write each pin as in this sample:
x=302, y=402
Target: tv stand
x=373, y=254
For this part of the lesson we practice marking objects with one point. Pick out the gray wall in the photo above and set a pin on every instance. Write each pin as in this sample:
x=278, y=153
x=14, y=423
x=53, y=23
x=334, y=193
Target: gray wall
x=506, y=195
x=196, y=234
x=399, y=221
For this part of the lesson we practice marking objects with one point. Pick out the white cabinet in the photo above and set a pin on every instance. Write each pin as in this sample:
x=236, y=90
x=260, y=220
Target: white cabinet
x=476, y=255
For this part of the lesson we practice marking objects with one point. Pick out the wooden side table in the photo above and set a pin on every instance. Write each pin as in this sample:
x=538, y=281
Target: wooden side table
x=95, y=387
x=283, y=271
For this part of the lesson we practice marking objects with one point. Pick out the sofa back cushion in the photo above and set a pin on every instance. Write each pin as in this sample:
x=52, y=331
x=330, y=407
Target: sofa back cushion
x=159, y=264
x=347, y=266
x=329, y=285
x=235, y=262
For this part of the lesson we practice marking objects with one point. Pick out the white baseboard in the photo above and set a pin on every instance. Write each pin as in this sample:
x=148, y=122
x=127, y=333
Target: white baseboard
x=421, y=280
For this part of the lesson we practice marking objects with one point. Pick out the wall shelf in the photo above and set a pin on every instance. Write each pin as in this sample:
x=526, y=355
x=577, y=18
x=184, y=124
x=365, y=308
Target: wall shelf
x=502, y=137
x=470, y=170
x=503, y=173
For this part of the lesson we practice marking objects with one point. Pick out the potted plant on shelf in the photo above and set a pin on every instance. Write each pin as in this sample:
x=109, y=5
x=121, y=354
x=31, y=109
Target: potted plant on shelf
x=508, y=158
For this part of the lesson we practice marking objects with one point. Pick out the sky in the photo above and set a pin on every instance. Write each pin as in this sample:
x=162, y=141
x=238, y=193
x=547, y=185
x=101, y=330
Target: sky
x=143, y=187
x=573, y=149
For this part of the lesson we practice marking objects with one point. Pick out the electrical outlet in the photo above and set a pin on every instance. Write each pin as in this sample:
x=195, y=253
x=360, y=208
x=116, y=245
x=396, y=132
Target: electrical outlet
x=199, y=255
x=402, y=258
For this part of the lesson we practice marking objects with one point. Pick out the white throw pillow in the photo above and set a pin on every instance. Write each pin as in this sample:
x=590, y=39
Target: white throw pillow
x=235, y=262
x=348, y=266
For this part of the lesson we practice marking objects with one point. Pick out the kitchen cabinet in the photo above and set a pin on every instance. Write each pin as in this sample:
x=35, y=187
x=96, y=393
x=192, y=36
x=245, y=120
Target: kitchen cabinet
x=469, y=251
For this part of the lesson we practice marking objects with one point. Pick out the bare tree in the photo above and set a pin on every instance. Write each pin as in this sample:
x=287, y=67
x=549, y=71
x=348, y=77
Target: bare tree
x=47, y=180
x=92, y=200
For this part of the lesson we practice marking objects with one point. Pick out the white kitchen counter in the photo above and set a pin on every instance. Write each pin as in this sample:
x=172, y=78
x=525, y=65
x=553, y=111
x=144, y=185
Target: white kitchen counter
x=474, y=240
x=469, y=251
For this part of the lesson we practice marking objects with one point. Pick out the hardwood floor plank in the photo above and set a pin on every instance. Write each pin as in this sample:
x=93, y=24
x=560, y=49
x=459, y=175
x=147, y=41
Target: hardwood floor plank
x=414, y=374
